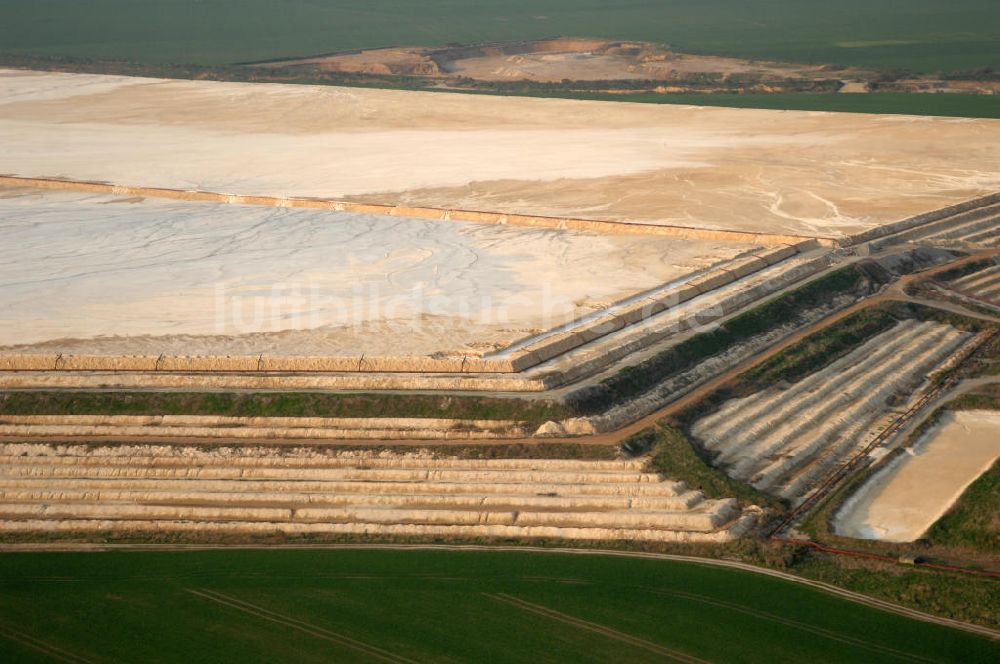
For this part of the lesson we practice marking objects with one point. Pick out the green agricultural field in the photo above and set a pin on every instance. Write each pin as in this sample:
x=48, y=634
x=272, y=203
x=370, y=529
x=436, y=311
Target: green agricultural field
x=355, y=605
x=920, y=35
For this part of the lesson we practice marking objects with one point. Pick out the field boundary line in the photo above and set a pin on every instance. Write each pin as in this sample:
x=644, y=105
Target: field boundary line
x=597, y=628
x=302, y=626
x=36, y=644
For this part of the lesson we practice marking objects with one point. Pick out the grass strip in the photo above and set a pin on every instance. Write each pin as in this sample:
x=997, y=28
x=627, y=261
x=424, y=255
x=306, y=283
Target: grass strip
x=278, y=404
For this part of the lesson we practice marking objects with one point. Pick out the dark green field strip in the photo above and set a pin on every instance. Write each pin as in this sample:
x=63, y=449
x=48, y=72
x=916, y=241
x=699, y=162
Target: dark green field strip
x=301, y=404
x=370, y=605
x=923, y=35
x=928, y=313
x=20, y=646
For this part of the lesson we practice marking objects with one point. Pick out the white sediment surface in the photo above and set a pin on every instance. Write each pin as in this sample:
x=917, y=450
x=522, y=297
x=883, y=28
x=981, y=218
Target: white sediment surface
x=808, y=173
x=86, y=273
x=900, y=503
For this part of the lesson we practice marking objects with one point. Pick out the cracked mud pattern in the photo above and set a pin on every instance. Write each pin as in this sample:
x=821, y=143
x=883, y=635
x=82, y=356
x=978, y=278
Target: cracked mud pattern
x=104, y=274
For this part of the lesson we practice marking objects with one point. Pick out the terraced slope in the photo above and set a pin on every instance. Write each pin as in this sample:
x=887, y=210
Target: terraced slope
x=253, y=490
x=978, y=227
x=784, y=440
x=984, y=284
x=260, y=428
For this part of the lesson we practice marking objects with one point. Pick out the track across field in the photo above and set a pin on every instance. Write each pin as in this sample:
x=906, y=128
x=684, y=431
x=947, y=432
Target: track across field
x=435, y=605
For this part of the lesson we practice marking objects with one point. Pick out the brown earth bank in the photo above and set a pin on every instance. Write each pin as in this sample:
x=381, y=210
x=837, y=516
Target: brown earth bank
x=555, y=60
x=613, y=66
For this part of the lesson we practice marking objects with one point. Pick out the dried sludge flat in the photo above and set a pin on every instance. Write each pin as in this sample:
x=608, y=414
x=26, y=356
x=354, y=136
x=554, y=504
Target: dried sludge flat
x=803, y=173
x=109, y=275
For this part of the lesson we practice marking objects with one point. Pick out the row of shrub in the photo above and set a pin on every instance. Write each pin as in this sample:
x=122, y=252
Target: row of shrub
x=279, y=404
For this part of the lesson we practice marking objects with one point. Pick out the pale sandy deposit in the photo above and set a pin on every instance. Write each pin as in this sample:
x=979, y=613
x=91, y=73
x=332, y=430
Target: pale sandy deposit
x=777, y=171
x=88, y=273
x=900, y=503
x=249, y=489
x=785, y=439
